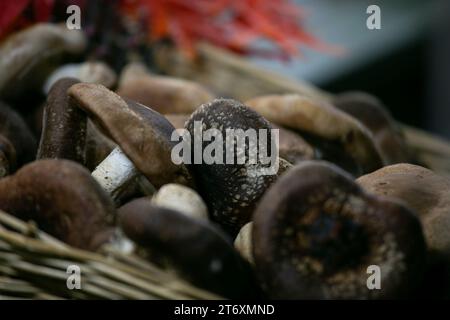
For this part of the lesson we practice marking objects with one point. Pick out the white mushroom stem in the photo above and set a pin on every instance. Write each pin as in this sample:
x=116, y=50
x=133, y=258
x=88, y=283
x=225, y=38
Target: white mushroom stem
x=183, y=199
x=115, y=173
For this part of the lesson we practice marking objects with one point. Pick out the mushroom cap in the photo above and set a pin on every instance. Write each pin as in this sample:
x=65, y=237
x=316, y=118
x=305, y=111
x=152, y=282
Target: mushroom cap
x=293, y=147
x=181, y=198
x=243, y=242
x=177, y=120
x=423, y=191
x=320, y=120
x=230, y=190
x=316, y=232
x=63, y=199
x=89, y=71
x=31, y=48
x=163, y=94
x=16, y=131
x=376, y=117
x=64, y=125
x=143, y=134
x=7, y=157
x=194, y=248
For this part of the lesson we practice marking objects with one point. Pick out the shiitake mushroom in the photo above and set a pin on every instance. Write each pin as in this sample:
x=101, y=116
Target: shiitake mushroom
x=231, y=191
x=375, y=116
x=316, y=232
x=429, y=195
x=336, y=136
x=64, y=201
x=194, y=248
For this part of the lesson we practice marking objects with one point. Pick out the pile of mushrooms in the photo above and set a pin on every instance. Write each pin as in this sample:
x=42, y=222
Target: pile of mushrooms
x=98, y=173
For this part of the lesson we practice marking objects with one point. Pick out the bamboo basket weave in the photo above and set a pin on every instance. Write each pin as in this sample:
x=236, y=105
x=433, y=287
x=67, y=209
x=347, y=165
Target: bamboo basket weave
x=33, y=265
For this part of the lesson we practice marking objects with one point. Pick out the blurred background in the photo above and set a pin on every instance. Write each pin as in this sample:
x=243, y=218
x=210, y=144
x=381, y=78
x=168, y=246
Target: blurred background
x=406, y=63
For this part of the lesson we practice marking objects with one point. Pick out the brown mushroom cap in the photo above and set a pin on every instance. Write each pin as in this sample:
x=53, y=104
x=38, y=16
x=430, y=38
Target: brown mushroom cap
x=64, y=125
x=16, y=131
x=316, y=232
x=375, y=116
x=194, y=248
x=163, y=94
x=26, y=55
x=293, y=147
x=63, y=199
x=177, y=120
x=142, y=134
x=422, y=190
x=349, y=142
x=7, y=157
x=229, y=190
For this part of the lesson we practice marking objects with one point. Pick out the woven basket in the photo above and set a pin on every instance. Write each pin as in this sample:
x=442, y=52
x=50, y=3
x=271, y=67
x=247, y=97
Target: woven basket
x=33, y=265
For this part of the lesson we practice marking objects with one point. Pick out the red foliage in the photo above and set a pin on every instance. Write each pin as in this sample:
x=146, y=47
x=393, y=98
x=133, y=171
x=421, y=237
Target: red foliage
x=13, y=13
x=232, y=24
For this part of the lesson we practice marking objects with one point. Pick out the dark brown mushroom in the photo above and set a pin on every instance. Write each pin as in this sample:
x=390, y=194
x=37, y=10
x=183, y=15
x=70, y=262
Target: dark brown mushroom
x=194, y=248
x=375, y=116
x=230, y=190
x=18, y=142
x=316, y=232
x=293, y=147
x=29, y=56
x=338, y=137
x=143, y=137
x=161, y=93
x=63, y=199
x=64, y=126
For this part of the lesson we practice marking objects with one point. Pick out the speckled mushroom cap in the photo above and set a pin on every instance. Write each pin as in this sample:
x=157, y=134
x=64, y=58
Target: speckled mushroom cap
x=163, y=94
x=375, y=116
x=229, y=190
x=316, y=232
x=64, y=125
x=194, y=248
x=63, y=199
x=32, y=48
x=341, y=138
x=142, y=134
x=16, y=131
x=422, y=190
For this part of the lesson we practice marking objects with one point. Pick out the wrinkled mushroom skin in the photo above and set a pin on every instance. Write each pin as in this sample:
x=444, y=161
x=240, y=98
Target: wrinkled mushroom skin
x=164, y=94
x=316, y=232
x=64, y=125
x=374, y=115
x=30, y=55
x=337, y=137
x=195, y=249
x=14, y=129
x=229, y=190
x=143, y=134
x=63, y=199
